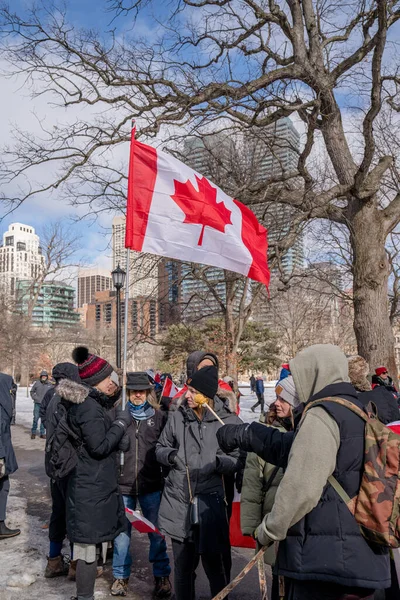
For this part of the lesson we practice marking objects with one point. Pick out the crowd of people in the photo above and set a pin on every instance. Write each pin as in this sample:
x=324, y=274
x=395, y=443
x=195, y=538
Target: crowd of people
x=183, y=458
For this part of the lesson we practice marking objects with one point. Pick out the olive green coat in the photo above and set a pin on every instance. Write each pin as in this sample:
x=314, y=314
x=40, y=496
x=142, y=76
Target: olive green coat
x=254, y=503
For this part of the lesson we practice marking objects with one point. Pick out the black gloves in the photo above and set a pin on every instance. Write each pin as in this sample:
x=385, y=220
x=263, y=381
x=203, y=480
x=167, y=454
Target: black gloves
x=123, y=417
x=125, y=443
x=172, y=457
x=231, y=437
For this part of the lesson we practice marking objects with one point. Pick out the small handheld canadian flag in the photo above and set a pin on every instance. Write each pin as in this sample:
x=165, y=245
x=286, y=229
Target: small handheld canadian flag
x=170, y=389
x=174, y=211
x=141, y=524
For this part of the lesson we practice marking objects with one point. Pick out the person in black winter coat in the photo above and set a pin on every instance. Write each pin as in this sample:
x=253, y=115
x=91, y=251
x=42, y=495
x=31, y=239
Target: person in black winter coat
x=384, y=400
x=382, y=378
x=95, y=510
x=66, y=376
x=195, y=484
x=141, y=484
x=8, y=462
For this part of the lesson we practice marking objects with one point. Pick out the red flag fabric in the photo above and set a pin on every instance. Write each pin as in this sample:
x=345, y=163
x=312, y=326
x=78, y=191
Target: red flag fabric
x=170, y=389
x=237, y=539
x=140, y=523
x=395, y=426
x=174, y=211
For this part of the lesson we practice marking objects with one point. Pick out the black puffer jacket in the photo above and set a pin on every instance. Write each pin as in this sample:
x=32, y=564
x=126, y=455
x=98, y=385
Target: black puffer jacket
x=95, y=510
x=385, y=402
x=7, y=388
x=195, y=440
x=142, y=472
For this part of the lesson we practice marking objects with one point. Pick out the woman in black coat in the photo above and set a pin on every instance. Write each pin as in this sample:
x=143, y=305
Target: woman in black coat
x=95, y=511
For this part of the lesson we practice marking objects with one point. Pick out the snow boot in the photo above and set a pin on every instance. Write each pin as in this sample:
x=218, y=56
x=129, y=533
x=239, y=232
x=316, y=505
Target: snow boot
x=162, y=588
x=6, y=532
x=119, y=587
x=56, y=567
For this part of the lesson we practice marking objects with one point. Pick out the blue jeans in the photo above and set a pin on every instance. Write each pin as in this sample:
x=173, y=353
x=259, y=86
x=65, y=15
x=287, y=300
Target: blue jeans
x=122, y=560
x=36, y=410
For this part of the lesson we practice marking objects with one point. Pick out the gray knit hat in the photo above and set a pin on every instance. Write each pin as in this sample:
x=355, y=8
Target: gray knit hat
x=286, y=390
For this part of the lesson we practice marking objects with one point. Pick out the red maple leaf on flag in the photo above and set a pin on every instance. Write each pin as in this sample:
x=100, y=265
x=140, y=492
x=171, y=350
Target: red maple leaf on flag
x=200, y=207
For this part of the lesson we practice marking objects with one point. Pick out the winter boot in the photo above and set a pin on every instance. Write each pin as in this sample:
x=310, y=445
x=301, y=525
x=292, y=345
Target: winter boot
x=72, y=571
x=56, y=567
x=119, y=587
x=5, y=532
x=33, y=436
x=43, y=436
x=162, y=587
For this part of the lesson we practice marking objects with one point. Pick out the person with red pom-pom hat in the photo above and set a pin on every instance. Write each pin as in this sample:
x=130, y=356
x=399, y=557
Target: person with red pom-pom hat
x=95, y=510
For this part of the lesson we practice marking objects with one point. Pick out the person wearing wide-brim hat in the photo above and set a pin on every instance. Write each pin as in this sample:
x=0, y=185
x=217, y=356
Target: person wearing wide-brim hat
x=141, y=484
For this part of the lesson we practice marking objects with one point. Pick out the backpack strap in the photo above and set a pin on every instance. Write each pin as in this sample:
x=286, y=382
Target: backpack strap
x=353, y=407
x=371, y=411
x=339, y=489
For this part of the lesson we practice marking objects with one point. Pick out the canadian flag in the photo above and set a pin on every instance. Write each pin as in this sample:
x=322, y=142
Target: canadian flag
x=140, y=523
x=170, y=389
x=174, y=211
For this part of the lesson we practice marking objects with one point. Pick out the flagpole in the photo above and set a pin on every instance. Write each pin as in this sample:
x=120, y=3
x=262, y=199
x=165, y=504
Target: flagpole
x=125, y=352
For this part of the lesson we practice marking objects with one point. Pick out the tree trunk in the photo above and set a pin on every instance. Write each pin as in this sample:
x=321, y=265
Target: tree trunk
x=374, y=334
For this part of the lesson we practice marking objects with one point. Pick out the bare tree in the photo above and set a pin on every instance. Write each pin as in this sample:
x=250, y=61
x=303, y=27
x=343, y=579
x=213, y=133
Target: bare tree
x=247, y=63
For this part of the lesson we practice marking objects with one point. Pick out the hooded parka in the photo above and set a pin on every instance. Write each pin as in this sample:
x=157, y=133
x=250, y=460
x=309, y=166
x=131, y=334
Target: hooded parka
x=95, y=510
x=206, y=463
x=7, y=387
x=326, y=545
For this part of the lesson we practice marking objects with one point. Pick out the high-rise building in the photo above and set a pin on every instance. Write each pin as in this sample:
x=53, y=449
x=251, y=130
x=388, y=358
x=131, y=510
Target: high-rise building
x=169, y=291
x=90, y=281
x=277, y=154
x=143, y=267
x=55, y=304
x=20, y=256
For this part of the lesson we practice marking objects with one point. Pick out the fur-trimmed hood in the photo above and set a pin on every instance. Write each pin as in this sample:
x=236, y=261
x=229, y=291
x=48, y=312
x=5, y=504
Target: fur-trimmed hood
x=76, y=393
x=228, y=398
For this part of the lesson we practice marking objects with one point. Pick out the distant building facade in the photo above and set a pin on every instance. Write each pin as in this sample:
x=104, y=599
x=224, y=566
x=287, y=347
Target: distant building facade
x=55, y=305
x=143, y=314
x=143, y=276
x=20, y=256
x=169, y=291
x=91, y=281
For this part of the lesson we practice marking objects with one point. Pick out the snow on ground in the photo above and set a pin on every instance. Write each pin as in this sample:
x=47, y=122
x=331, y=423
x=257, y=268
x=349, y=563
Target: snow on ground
x=248, y=400
x=24, y=406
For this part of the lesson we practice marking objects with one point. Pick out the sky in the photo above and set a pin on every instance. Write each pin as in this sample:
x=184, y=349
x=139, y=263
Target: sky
x=17, y=107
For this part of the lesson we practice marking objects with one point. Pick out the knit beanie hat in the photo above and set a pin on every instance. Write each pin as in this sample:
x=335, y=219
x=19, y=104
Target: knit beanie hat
x=286, y=390
x=380, y=370
x=92, y=368
x=205, y=381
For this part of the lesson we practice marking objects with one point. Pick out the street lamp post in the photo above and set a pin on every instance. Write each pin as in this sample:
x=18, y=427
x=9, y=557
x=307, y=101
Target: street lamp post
x=118, y=277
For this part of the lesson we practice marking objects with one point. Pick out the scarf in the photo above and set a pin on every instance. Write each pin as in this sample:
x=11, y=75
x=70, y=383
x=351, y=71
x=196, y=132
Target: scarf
x=142, y=412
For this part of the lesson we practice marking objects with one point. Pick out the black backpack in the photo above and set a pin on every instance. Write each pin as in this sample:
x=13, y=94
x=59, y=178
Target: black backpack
x=63, y=446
